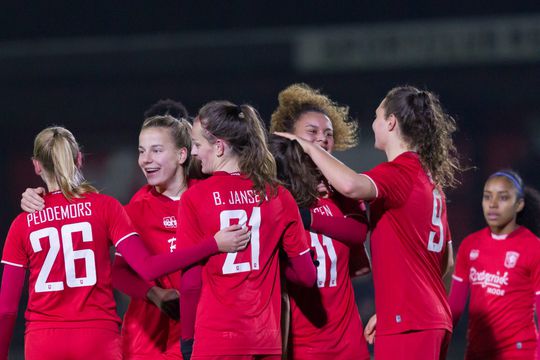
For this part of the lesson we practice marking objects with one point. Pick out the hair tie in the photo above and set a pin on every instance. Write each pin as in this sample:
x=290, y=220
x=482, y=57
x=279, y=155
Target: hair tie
x=513, y=179
x=240, y=112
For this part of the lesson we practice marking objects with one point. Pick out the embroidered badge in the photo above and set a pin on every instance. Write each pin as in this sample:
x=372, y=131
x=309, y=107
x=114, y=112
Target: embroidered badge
x=511, y=259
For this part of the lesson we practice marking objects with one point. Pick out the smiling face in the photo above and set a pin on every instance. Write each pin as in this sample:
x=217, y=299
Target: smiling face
x=315, y=127
x=203, y=150
x=159, y=158
x=501, y=205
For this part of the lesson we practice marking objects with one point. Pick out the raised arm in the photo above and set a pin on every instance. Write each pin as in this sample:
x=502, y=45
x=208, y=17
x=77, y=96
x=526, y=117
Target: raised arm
x=340, y=176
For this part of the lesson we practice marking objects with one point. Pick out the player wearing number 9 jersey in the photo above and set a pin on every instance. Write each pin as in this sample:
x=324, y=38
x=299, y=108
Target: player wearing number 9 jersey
x=71, y=312
x=410, y=234
x=239, y=309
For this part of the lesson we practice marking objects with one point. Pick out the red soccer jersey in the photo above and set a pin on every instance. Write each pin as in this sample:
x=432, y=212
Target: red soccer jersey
x=239, y=307
x=141, y=193
x=146, y=330
x=503, y=277
x=408, y=247
x=325, y=323
x=65, y=246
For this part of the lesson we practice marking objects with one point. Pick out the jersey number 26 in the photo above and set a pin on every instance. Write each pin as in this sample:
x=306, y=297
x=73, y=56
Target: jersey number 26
x=70, y=256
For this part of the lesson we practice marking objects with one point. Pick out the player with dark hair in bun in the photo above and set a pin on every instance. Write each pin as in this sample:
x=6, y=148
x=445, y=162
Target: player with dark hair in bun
x=410, y=236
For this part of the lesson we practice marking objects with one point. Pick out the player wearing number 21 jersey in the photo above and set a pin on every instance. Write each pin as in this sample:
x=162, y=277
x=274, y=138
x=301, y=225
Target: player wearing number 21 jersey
x=239, y=307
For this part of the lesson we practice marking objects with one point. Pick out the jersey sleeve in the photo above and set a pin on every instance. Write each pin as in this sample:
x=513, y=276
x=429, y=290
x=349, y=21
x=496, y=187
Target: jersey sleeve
x=294, y=239
x=461, y=270
x=392, y=183
x=119, y=224
x=15, y=252
x=188, y=231
x=535, y=270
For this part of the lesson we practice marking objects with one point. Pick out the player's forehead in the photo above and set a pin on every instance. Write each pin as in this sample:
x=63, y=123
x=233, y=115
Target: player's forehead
x=499, y=184
x=314, y=119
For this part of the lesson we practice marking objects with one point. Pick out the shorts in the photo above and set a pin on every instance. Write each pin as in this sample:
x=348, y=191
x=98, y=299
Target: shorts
x=413, y=345
x=72, y=344
x=237, y=357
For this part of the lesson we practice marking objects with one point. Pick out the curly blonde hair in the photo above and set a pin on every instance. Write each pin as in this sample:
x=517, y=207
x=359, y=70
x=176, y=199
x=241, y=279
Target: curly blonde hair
x=298, y=99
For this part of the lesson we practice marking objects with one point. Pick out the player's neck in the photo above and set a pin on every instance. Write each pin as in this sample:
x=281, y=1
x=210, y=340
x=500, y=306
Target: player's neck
x=51, y=184
x=504, y=230
x=174, y=191
x=229, y=165
x=396, y=148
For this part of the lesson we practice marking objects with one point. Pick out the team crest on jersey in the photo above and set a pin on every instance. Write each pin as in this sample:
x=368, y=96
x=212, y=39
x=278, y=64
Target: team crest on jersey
x=473, y=255
x=511, y=259
x=169, y=222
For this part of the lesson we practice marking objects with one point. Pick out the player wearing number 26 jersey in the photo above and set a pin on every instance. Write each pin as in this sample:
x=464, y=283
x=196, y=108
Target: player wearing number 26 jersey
x=239, y=307
x=66, y=249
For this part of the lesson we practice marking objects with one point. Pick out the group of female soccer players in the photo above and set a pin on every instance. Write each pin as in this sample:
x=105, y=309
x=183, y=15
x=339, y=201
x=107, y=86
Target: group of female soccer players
x=258, y=224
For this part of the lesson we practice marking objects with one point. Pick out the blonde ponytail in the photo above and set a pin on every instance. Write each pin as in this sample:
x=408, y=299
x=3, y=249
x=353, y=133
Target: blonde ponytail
x=57, y=150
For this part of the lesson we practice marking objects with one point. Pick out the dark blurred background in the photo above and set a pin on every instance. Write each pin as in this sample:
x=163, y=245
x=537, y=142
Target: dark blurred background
x=94, y=67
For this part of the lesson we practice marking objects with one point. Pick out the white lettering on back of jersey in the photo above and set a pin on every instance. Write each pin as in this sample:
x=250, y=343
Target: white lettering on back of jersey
x=323, y=210
x=53, y=213
x=243, y=197
x=217, y=198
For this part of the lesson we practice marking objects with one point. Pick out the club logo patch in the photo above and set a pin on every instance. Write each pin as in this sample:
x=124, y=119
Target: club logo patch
x=473, y=255
x=169, y=222
x=511, y=259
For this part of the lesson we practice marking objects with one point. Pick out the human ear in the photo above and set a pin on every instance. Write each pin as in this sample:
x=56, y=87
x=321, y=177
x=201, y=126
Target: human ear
x=391, y=122
x=220, y=148
x=182, y=155
x=520, y=205
x=37, y=167
x=79, y=160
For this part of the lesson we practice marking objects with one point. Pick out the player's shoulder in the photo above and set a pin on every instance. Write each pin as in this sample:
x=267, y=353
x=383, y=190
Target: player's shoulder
x=100, y=200
x=474, y=237
x=20, y=221
x=141, y=193
x=528, y=236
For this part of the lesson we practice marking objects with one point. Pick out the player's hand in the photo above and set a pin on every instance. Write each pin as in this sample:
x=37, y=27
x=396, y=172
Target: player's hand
x=323, y=189
x=233, y=238
x=362, y=271
x=369, y=329
x=304, y=143
x=32, y=199
x=167, y=300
